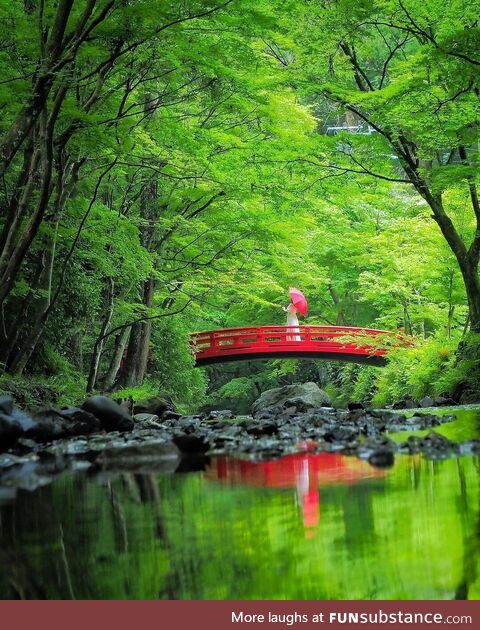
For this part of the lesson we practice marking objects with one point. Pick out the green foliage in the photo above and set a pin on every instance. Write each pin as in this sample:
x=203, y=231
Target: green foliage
x=173, y=365
x=237, y=394
x=462, y=376
x=206, y=157
x=65, y=388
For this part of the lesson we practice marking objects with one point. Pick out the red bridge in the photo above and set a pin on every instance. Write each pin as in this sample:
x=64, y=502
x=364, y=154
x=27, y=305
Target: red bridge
x=341, y=343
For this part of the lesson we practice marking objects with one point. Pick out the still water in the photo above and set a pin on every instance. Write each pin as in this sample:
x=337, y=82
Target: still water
x=304, y=527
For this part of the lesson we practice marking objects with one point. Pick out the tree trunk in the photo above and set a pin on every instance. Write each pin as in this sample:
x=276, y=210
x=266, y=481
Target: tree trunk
x=129, y=374
x=98, y=347
x=472, y=287
x=108, y=380
x=27, y=348
x=136, y=362
x=146, y=330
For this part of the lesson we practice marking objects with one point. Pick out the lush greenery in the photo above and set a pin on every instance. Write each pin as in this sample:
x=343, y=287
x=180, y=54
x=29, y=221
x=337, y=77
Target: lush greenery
x=175, y=166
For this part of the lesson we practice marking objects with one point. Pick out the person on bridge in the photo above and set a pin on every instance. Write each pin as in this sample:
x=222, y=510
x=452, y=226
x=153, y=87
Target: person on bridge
x=292, y=320
x=298, y=304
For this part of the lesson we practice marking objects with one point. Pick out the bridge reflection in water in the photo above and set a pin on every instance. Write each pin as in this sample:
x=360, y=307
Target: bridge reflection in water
x=341, y=343
x=304, y=472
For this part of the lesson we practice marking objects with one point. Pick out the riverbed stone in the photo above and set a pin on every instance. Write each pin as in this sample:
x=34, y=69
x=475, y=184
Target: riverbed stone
x=426, y=401
x=302, y=396
x=444, y=401
x=111, y=415
x=405, y=403
x=147, y=421
x=53, y=424
x=10, y=431
x=193, y=444
x=6, y=405
x=157, y=405
x=79, y=421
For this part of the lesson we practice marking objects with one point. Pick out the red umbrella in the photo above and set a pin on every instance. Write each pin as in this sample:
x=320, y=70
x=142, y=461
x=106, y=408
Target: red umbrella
x=299, y=301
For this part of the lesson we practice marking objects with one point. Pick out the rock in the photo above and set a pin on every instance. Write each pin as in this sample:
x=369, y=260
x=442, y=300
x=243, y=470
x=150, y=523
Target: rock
x=382, y=458
x=23, y=420
x=471, y=447
x=261, y=428
x=191, y=443
x=47, y=426
x=6, y=405
x=303, y=396
x=436, y=446
x=53, y=424
x=146, y=417
x=340, y=434
x=80, y=421
x=353, y=406
x=222, y=414
x=8, y=409
x=426, y=402
x=111, y=415
x=10, y=431
x=171, y=415
x=157, y=405
x=406, y=403
x=147, y=421
x=444, y=401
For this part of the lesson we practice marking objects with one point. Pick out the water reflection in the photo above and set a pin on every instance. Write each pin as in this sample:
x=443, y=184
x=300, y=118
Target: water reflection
x=304, y=527
x=305, y=472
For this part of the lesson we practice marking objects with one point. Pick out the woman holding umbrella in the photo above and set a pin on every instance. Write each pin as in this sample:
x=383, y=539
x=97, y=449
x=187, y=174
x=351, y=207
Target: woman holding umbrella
x=298, y=304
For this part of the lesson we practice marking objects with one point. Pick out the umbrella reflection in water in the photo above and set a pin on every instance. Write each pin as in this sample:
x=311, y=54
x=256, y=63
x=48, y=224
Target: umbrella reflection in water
x=306, y=472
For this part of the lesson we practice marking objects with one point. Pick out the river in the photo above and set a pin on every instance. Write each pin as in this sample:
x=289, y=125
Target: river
x=308, y=526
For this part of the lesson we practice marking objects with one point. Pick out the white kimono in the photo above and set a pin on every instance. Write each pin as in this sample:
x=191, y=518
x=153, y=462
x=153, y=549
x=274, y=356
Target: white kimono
x=292, y=320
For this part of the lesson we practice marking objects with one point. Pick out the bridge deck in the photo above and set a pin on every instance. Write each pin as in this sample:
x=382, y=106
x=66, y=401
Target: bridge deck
x=341, y=343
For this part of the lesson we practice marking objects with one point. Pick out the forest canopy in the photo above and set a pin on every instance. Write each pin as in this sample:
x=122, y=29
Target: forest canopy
x=169, y=167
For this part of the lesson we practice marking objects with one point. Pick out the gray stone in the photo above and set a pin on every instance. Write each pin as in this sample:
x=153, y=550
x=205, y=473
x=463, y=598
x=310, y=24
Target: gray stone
x=111, y=415
x=157, y=405
x=10, y=431
x=303, y=396
x=6, y=405
x=147, y=421
x=23, y=420
x=426, y=402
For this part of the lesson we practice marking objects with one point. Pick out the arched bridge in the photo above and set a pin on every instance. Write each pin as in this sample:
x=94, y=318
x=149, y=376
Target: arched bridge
x=341, y=343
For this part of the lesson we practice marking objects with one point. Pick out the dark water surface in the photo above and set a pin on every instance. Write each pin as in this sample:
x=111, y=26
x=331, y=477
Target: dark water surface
x=304, y=527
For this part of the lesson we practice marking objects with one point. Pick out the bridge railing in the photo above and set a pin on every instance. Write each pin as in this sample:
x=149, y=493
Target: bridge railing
x=336, y=338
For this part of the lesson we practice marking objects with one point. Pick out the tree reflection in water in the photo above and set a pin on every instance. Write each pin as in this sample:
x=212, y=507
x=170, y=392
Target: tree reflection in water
x=305, y=527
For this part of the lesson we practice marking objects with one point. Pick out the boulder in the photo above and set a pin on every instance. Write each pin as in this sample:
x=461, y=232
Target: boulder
x=111, y=415
x=10, y=431
x=47, y=426
x=52, y=424
x=157, y=405
x=221, y=414
x=6, y=405
x=426, y=402
x=382, y=458
x=147, y=421
x=191, y=444
x=303, y=396
x=79, y=421
x=405, y=403
x=355, y=406
x=444, y=401
x=7, y=408
x=23, y=420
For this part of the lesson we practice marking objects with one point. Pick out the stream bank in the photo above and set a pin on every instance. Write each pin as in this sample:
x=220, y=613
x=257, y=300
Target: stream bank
x=103, y=436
